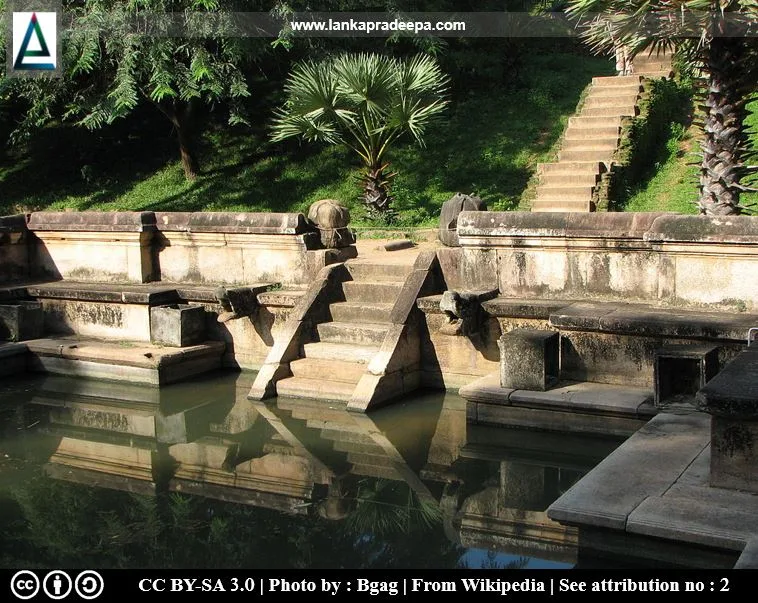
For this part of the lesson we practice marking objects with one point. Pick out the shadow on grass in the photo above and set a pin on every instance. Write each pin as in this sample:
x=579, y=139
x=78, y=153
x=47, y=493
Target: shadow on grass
x=490, y=145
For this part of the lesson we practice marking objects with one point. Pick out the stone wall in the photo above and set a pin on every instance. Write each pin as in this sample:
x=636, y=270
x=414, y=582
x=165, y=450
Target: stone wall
x=93, y=246
x=241, y=248
x=661, y=259
x=141, y=247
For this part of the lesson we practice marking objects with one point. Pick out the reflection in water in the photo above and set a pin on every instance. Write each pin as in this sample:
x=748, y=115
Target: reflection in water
x=195, y=475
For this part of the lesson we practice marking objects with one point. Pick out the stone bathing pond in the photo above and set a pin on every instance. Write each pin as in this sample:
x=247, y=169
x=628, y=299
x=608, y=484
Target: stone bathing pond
x=532, y=390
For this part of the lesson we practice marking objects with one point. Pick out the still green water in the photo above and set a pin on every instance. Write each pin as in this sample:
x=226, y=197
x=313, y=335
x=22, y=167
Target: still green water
x=102, y=475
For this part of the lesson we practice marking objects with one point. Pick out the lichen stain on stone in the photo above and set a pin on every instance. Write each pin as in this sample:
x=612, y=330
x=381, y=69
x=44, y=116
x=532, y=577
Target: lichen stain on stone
x=99, y=314
x=735, y=439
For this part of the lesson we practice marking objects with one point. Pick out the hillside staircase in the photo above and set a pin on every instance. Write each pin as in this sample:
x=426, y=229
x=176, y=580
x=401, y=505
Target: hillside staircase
x=592, y=138
x=330, y=367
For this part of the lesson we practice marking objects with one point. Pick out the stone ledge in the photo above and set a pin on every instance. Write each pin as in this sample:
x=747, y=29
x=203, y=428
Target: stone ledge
x=233, y=223
x=92, y=221
x=150, y=294
x=619, y=318
x=704, y=229
x=555, y=224
x=583, y=397
x=613, y=490
x=649, y=321
x=285, y=298
x=135, y=354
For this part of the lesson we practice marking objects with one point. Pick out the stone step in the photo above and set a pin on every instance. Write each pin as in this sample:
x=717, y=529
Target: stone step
x=344, y=437
x=340, y=351
x=565, y=193
x=616, y=80
x=363, y=270
x=383, y=292
x=378, y=472
x=357, y=447
x=346, y=332
x=620, y=111
x=551, y=179
x=334, y=370
x=591, y=144
x=655, y=75
x=320, y=389
x=306, y=409
x=574, y=133
x=594, y=122
x=551, y=204
x=611, y=101
x=585, y=155
x=626, y=89
x=571, y=167
x=360, y=312
x=368, y=459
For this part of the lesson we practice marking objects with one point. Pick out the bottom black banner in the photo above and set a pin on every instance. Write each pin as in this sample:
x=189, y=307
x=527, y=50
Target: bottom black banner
x=65, y=584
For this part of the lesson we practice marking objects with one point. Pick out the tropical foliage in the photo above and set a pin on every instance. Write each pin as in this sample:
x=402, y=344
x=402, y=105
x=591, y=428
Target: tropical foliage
x=114, y=62
x=718, y=38
x=366, y=102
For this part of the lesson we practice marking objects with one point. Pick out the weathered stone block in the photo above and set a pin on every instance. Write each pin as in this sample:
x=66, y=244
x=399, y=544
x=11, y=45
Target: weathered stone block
x=734, y=454
x=177, y=325
x=681, y=370
x=529, y=359
x=21, y=321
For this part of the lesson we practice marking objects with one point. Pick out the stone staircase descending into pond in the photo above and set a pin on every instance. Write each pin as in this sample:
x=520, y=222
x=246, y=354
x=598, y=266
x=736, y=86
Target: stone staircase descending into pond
x=592, y=138
x=331, y=366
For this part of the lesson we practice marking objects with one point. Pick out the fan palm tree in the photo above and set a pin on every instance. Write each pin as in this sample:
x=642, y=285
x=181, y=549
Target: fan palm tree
x=366, y=102
x=718, y=38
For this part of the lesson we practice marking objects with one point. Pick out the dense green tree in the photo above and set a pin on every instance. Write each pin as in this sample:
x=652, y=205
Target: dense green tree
x=718, y=38
x=366, y=102
x=114, y=62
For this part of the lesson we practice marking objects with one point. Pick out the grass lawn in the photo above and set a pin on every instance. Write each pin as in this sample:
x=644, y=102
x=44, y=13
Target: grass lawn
x=674, y=186
x=489, y=144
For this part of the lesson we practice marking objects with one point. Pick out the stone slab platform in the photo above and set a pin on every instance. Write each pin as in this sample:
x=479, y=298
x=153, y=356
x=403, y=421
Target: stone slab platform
x=656, y=485
x=578, y=407
x=123, y=361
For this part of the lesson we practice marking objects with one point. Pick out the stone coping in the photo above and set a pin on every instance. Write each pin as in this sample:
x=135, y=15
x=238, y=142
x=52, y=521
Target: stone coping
x=137, y=354
x=198, y=222
x=647, y=227
x=92, y=221
x=233, y=223
x=572, y=396
x=733, y=392
x=555, y=224
x=617, y=317
x=153, y=294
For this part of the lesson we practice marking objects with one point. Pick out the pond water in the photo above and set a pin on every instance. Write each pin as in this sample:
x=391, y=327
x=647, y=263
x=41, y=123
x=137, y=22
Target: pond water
x=100, y=475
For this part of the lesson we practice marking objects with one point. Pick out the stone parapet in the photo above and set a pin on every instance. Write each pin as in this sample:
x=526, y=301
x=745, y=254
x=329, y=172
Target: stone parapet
x=233, y=223
x=661, y=259
x=93, y=246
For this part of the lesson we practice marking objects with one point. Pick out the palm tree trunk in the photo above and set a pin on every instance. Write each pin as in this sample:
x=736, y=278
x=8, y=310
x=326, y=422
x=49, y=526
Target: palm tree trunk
x=376, y=185
x=721, y=168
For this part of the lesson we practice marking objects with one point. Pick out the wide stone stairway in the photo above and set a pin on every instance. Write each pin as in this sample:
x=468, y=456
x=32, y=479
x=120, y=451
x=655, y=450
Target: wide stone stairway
x=330, y=367
x=592, y=137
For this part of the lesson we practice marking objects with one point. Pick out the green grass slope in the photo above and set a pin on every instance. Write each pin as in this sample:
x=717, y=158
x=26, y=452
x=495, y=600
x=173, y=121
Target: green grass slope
x=489, y=144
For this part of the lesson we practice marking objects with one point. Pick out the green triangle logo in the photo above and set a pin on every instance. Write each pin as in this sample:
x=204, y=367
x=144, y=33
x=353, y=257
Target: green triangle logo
x=24, y=51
